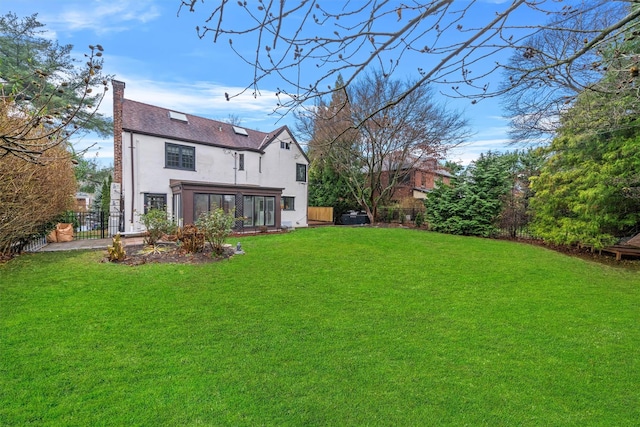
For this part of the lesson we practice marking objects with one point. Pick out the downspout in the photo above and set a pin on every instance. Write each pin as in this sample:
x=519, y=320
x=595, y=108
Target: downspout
x=235, y=168
x=132, y=181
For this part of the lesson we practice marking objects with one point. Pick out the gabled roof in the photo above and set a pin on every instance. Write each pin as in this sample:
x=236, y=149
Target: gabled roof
x=411, y=163
x=157, y=121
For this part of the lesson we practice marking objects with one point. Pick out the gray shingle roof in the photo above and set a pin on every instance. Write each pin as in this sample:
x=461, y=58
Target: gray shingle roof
x=151, y=120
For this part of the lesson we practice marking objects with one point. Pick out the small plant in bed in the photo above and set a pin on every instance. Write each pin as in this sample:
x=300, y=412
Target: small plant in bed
x=217, y=226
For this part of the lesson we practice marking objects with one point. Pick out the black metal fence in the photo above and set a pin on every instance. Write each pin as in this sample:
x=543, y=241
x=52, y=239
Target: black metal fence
x=96, y=225
x=86, y=226
x=396, y=214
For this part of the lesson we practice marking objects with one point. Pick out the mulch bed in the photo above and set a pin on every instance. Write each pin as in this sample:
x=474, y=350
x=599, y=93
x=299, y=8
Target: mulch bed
x=171, y=253
x=584, y=253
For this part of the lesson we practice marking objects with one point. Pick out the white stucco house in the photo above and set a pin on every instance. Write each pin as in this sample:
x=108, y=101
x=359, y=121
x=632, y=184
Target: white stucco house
x=188, y=165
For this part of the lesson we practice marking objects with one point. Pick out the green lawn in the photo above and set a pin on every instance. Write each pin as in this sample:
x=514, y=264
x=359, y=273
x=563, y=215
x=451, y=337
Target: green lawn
x=329, y=326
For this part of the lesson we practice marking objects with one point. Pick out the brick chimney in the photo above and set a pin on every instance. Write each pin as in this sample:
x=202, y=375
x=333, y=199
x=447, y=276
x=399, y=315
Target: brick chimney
x=118, y=98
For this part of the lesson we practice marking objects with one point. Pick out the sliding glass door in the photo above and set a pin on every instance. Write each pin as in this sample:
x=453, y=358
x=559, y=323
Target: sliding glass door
x=259, y=211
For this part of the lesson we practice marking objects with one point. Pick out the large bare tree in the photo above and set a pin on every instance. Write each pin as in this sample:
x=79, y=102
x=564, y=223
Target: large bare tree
x=373, y=147
x=451, y=42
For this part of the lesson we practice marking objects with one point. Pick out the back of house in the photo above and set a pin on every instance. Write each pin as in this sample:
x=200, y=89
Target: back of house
x=188, y=165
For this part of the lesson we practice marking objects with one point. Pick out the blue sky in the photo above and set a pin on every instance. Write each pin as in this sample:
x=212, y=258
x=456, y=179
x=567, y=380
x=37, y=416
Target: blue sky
x=163, y=62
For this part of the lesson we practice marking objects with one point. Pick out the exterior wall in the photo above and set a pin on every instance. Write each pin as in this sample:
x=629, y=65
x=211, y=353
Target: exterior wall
x=418, y=179
x=280, y=165
x=146, y=154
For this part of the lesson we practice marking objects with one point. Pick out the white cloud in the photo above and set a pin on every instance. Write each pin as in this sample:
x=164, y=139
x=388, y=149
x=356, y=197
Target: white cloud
x=204, y=99
x=201, y=98
x=103, y=16
x=470, y=151
x=94, y=147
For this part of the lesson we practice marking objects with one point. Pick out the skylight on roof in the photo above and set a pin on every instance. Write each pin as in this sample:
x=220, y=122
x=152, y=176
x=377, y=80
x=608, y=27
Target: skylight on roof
x=240, y=131
x=178, y=116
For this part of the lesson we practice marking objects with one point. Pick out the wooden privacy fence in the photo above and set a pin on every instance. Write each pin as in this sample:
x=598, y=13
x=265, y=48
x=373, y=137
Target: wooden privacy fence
x=324, y=214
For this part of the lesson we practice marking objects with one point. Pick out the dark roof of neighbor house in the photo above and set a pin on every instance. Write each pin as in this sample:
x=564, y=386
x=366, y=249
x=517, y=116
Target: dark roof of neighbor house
x=443, y=172
x=156, y=121
x=425, y=165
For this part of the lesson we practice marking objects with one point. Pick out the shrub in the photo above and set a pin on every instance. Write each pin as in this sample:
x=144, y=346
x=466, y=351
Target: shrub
x=116, y=250
x=157, y=224
x=191, y=238
x=32, y=194
x=419, y=219
x=217, y=226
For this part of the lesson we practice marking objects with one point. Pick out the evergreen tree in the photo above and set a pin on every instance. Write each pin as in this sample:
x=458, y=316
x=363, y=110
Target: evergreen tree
x=472, y=204
x=588, y=191
x=43, y=83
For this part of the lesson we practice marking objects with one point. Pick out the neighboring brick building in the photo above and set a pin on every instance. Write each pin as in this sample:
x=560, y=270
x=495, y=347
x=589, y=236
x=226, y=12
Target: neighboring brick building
x=418, y=179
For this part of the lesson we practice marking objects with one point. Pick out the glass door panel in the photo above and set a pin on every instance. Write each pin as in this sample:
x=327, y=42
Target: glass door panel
x=271, y=211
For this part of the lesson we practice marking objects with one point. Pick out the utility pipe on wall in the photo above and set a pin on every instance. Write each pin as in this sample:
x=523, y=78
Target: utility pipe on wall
x=132, y=181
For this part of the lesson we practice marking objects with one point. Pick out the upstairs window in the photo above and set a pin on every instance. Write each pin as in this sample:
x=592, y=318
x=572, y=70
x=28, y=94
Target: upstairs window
x=301, y=172
x=241, y=162
x=285, y=145
x=180, y=157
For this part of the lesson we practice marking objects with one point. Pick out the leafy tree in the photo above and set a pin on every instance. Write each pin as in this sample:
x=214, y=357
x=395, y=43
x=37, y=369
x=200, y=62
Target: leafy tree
x=453, y=167
x=472, y=204
x=613, y=102
x=587, y=191
x=44, y=85
x=89, y=174
x=105, y=196
x=454, y=45
x=327, y=187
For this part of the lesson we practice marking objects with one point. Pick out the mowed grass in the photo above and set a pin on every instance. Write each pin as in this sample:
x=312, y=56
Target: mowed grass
x=330, y=326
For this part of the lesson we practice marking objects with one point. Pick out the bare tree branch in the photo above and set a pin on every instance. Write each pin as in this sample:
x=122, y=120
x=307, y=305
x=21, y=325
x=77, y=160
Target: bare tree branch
x=442, y=36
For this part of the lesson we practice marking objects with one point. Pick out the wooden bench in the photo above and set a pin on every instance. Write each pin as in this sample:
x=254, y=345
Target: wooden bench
x=620, y=250
x=631, y=248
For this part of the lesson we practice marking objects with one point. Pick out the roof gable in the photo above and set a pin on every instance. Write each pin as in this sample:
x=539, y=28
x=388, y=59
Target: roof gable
x=276, y=136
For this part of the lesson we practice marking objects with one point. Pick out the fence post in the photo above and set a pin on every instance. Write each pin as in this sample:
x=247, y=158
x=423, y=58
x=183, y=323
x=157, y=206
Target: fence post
x=102, y=236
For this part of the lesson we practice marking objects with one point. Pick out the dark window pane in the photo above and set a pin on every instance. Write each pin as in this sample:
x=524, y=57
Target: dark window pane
x=301, y=172
x=287, y=203
x=248, y=210
x=180, y=156
x=201, y=204
x=173, y=156
x=155, y=201
x=270, y=211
